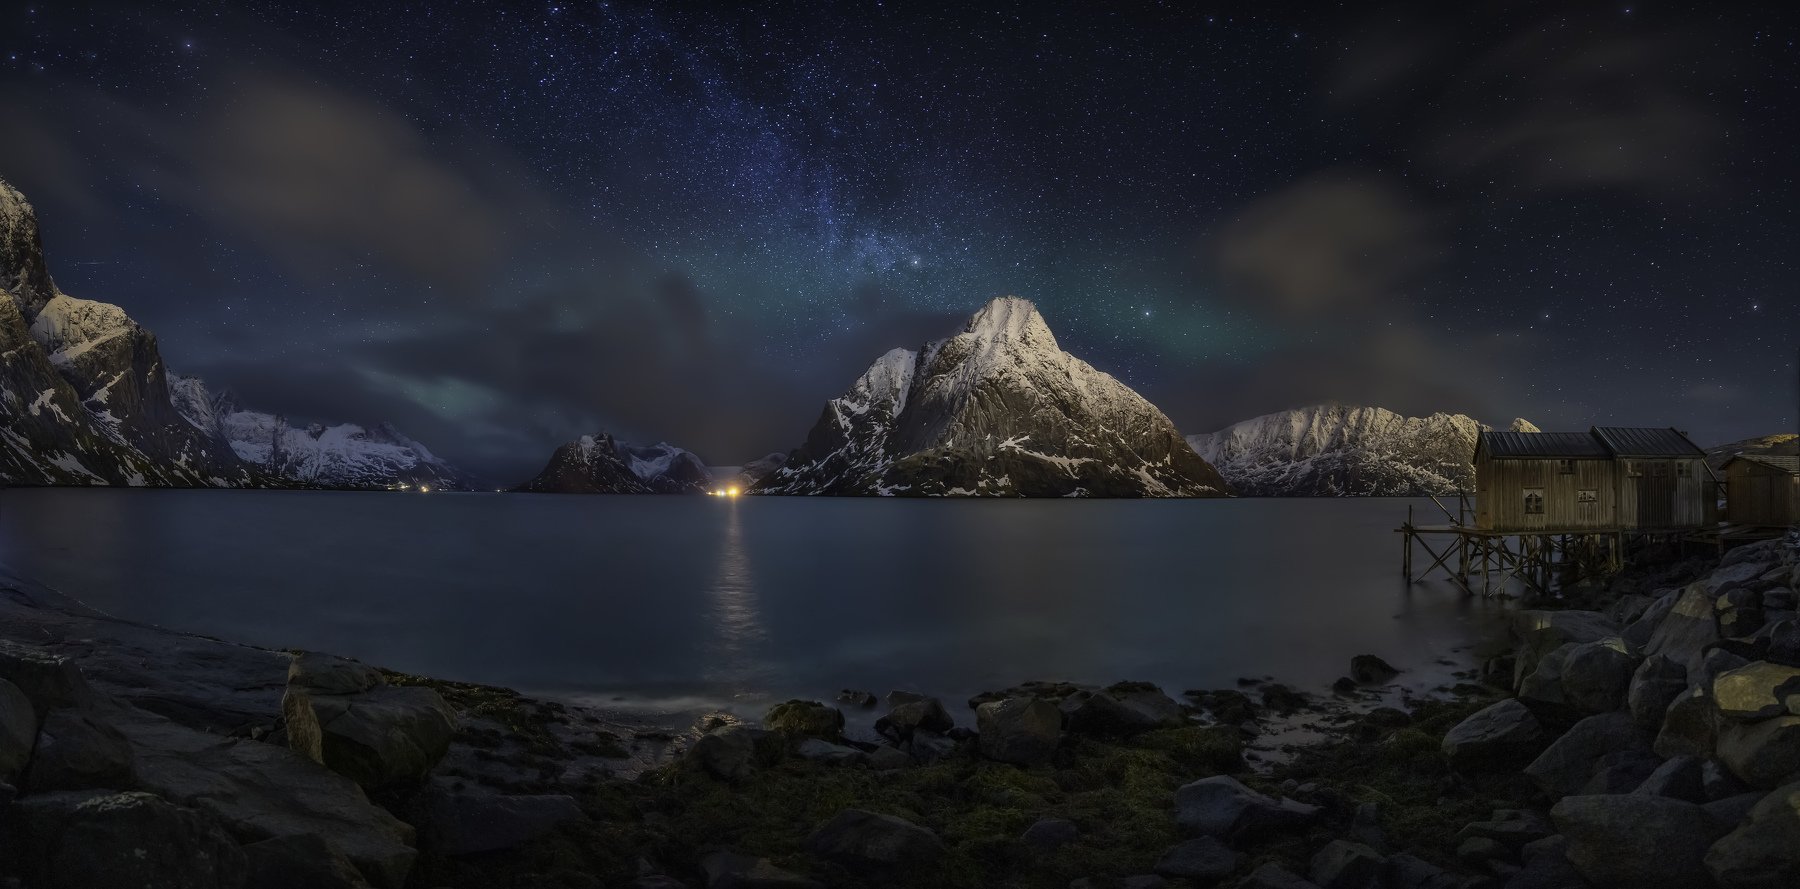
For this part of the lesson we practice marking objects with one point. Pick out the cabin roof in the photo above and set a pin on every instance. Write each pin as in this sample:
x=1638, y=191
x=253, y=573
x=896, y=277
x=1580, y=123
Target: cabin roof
x=1569, y=445
x=1600, y=442
x=1773, y=461
x=1626, y=441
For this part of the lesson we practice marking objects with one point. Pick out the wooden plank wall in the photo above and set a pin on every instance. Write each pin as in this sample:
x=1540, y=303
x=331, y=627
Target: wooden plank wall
x=1500, y=494
x=1761, y=495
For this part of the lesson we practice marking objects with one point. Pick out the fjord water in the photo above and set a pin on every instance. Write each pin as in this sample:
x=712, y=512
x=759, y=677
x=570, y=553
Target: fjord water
x=673, y=603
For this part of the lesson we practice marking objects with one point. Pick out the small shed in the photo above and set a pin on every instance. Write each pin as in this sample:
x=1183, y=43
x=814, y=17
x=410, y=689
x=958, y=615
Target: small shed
x=1543, y=482
x=1762, y=490
x=1664, y=482
x=1609, y=478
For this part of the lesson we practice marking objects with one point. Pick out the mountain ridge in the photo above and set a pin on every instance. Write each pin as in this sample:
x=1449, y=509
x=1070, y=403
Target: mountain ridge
x=1334, y=449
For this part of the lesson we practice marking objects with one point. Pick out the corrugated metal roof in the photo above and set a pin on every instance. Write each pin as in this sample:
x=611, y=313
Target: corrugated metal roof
x=1786, y=464
x=1575, y=445
x=1626, y=441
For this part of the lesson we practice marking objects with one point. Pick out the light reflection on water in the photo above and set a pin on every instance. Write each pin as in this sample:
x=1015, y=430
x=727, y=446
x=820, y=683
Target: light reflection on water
x=733, y=662
x=678, y=601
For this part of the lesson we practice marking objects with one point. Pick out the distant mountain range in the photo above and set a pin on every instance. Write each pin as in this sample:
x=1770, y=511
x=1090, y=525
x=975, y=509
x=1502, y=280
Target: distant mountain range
x=343, y=455
x=1334, y=450
x=1777, y=445
x=997, y=410
x=601, y=464
x=86, y=399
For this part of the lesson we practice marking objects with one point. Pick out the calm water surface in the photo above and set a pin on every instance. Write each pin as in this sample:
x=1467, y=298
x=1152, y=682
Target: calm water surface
x=675, y=602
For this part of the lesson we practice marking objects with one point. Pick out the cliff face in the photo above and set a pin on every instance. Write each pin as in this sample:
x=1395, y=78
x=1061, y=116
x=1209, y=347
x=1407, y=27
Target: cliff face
x=997, y=410
x=84, y=392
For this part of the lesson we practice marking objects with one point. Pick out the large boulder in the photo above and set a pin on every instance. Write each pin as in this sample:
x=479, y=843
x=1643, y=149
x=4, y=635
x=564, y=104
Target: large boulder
x=823, y=751
x=78, y=751
x=331, y=675
x=1221, y=806
x=48, y=681
x=1690, y=725
x=1638, y=632
x=1679, y=777
x=1021, y=731
x=1656, y=683
x=1513, y=829
x=1764, y=851
x=806, y=719
x=1689, y=628
x=1571, y=760
x=18, y=731
x=1758, y=690
x=871, y=841
x=1342, y=864
x=1274, y=876
x=1763, y=754
x=1784, y=641
x=1544, y=684
x=1499, y=737
x=1046, y=834
x=1125, y=709
x=454, y=818
x=730, y=870
x=734, y=752
x=1541, y=632
x=1596, y=675
x=100, y=840
x=1201, y=858
x=1636, y=842
x=384, y=736
x=300, y=861
x=260, y=791
x=1367, y=669
x=910, y=713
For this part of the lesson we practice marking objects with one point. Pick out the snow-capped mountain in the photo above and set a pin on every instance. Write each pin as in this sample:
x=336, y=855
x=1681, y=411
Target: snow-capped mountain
x=343, y=455
x=84, y=393
x=996, y=410
x=601, y=464
x=1336, y=450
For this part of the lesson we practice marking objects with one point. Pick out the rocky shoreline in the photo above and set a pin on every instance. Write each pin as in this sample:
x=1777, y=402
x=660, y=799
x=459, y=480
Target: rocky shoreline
x=1650, y=740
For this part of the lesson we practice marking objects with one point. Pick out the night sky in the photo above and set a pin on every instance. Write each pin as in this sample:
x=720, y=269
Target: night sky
x=502, y=228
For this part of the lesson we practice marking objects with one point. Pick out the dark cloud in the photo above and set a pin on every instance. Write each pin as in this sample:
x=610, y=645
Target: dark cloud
x=1332, y=243
x=1574, y=99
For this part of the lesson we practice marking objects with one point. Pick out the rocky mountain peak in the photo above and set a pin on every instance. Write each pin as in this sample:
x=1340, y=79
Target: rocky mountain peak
x=601, y=464
x=23, y=272
x=1014, y=321
x=996, y=410
x=1520, y=424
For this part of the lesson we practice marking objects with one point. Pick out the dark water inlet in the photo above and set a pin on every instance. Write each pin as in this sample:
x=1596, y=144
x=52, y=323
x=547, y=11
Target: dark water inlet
x=677, y=602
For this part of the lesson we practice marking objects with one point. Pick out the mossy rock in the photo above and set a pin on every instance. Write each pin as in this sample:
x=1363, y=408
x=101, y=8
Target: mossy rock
x=805, y=718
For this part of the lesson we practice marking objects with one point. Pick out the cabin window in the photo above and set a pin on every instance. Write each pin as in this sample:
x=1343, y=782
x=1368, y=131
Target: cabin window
x=1587, y=496
x=1565, y=467
x=1633, y=469
x=1534, y=501
x=1682, y=469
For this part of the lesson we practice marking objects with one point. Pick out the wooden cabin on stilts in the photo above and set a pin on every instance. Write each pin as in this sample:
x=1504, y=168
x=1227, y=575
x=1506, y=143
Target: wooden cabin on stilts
x=1762, y=490
x=1550, y=505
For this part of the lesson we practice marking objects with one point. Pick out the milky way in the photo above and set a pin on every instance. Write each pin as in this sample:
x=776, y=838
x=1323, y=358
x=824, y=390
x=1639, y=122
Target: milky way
x=501, y=228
